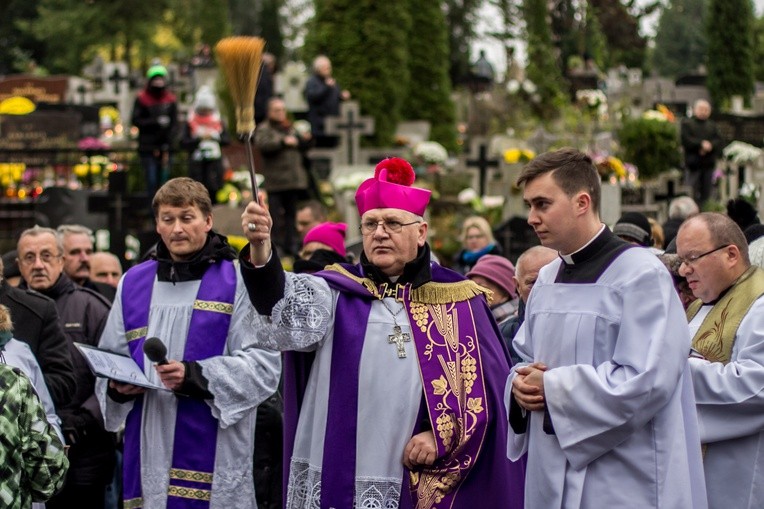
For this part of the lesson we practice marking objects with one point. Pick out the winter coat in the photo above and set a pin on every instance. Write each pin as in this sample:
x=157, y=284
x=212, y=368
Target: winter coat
x=83, y=313
x=35, y=322
x=282, y=165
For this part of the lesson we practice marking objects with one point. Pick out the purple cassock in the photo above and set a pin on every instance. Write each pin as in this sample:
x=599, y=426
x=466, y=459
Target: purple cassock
x=463, y=365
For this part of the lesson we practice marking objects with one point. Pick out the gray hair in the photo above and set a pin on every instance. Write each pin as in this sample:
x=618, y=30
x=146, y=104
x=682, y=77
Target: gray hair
x=683, y=207
x=38, y=230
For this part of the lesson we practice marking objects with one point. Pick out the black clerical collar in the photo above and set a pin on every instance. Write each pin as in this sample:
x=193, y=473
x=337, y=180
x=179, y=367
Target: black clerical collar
x=584, y=252
x=417, y=271
x=591, y=261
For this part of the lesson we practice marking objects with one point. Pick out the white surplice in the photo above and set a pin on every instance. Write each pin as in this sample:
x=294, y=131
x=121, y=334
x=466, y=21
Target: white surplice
x=730, y=400
x=239, y=380
x=617, y=389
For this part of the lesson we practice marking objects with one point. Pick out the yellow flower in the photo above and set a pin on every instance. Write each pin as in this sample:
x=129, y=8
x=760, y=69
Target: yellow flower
x=617, y=166
x=512, y=156
x=16, y=105
x=81, y=170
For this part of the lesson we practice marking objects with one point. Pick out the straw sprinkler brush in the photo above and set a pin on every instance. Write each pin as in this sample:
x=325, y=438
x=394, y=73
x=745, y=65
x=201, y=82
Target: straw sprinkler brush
x=240, y=58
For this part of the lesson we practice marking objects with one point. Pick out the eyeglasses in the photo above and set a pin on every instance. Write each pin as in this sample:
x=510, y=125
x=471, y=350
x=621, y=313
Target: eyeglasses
x=690, y=260
x=45, y=257
x=369, y=227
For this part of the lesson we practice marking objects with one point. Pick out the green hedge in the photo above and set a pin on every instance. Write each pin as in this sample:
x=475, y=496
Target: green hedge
x=651, y=145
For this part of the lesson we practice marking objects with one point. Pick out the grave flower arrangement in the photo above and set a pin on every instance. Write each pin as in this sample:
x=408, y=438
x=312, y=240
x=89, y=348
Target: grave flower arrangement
x=430, y=155
x=741, y=153
x=518, y=155
x=490, y=207
x=614, y=171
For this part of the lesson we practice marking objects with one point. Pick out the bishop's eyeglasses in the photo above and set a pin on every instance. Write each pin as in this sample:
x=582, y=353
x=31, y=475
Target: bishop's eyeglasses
x=390, y=226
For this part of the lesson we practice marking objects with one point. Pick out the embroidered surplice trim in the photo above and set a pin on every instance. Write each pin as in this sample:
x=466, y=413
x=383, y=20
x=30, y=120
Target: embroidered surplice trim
x=193, y=494
x=217, y=307
x=428, y=293
x=304, y=489
x=190, y=475
x=133, y=503
x=460, y=407
x=134, y=334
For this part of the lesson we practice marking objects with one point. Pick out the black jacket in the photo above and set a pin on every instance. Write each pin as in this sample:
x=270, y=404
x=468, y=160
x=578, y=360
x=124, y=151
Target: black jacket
x=35, y=322
x=323, y=101
x=83, y=314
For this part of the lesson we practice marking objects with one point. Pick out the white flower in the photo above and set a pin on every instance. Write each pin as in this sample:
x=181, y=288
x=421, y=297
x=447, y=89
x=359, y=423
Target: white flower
x=513, y=86
x=529, y=87
x=466, y=195
x=592, y=97
x=493, y=202
x=654, y=115
x=351, y=181
x=431, y=152
x=741, y=153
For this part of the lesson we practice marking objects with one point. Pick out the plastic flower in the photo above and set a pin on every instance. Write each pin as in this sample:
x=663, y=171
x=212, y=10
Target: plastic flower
x=467, y=195
x=517, y=155
x=741, y=153
x=430, y=152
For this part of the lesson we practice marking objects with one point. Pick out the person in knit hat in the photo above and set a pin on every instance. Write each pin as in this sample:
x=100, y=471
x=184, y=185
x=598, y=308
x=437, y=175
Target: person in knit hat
x=323, y=245
x=404, y=350
x=203, y=136
x=497, y=274
x=155, y=114
x=635, y=228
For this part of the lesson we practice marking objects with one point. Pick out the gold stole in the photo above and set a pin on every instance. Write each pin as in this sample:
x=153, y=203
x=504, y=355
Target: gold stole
x=716, y=335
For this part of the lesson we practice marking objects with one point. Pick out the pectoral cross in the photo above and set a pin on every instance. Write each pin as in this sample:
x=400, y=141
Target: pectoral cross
x=399, y=338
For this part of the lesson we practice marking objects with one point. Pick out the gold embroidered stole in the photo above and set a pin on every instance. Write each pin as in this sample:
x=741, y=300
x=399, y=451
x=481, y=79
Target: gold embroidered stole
x=716, y=335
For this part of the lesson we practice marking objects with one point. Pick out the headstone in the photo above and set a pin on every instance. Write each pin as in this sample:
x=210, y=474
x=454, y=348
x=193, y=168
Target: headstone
x=40, y=130
x=80, y=91
x=541, y=140
x=481, y=160
x=290, y=84
x=411, y=132
x=748, y=129
x=116, y=88
x=349, y=126
x=38, y=90
x=610, y=208
x=346, y=179
x=634, y=77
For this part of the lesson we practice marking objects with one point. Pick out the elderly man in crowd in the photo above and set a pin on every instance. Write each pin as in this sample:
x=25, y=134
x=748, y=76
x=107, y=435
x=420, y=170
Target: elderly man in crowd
x=82, y=313
x=727, y=324
x=105, y=268
x=406, y=383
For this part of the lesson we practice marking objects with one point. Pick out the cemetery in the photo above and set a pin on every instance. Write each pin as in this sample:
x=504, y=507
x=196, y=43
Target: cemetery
x=68, y=151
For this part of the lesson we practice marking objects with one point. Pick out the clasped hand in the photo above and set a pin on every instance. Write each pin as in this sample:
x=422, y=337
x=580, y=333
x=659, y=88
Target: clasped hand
x=421, y=450
x=528, y=386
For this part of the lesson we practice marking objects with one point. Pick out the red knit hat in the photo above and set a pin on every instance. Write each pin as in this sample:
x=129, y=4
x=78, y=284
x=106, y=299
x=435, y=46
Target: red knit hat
x=331, y=234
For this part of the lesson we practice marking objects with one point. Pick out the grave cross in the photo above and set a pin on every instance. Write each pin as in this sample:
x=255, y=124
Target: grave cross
x=115, y=77
x=482, y=163
x=350, y=126
x=82, y=90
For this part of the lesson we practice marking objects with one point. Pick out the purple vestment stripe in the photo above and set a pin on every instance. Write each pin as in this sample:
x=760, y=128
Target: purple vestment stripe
x=136, y=295
x=195, y=424
x=195, y=427
x=338, y=484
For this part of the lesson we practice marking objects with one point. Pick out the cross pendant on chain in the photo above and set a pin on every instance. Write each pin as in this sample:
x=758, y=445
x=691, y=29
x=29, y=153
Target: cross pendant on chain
x=398, y=338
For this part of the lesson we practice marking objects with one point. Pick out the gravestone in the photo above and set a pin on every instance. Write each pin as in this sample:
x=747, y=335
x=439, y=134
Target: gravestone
x=38, y=90
x=745, y=128
x=412, y=132
x=541, y=140
x=116, y=89
x=480, y=160
x=349, y=126
x=290, y=84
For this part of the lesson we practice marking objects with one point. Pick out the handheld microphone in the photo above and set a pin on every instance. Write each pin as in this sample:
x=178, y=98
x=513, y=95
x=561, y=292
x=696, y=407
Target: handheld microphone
x=155, y=350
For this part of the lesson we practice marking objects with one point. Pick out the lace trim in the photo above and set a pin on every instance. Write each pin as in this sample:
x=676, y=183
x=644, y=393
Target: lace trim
x=304, y=490
x=301, y=318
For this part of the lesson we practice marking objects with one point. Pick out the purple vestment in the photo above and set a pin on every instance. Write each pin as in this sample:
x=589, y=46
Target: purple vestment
x=463, y=377
x=192, y=468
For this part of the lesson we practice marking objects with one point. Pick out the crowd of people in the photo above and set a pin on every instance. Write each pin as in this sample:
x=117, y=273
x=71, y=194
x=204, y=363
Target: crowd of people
x=617, y=367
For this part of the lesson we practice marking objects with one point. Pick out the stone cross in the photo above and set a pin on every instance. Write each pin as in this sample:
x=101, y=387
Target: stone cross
x=350, y=126
x=483, y=164
x=398, y=338
x=116, y=77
